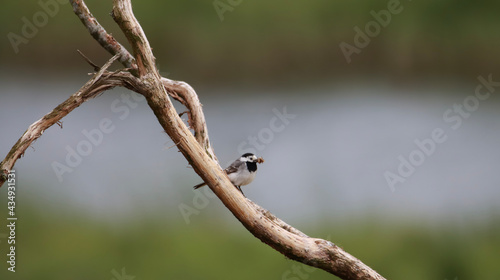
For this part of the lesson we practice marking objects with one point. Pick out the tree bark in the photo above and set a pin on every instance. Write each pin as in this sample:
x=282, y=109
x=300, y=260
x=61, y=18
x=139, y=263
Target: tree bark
x=142, y=76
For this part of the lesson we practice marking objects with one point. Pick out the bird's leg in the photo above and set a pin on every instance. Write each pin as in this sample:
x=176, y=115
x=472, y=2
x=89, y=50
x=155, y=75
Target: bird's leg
x=239, y=188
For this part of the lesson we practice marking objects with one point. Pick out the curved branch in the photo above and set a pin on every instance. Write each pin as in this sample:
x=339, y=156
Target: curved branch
x=180, y=91
x=263, y=225
x=186, y=95
x=269, y=229
x=100, y=82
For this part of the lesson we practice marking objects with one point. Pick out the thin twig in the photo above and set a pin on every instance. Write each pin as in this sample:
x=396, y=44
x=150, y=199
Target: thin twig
x=96, y=68
x=170, y=147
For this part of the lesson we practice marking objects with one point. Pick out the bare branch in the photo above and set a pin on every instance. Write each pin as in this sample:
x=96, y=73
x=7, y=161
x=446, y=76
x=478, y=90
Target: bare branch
x=277, y=220
x=186, y=95
x=196, y=148
x=106, y=40
x=263, y=225
x=100, y=82
x=124, y=17
x=180, y=91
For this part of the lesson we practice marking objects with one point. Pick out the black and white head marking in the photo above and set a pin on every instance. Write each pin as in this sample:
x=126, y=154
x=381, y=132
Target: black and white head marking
x=251, y=161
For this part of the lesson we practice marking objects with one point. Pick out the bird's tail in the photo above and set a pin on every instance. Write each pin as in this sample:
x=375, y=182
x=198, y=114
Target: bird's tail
x=199, y=186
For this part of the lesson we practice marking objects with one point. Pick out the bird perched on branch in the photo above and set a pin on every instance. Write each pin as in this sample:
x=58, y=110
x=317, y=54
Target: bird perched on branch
x=242, y=171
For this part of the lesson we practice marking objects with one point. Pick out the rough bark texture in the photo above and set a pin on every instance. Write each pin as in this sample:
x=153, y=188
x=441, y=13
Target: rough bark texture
x=143, y=77
x=107, y=41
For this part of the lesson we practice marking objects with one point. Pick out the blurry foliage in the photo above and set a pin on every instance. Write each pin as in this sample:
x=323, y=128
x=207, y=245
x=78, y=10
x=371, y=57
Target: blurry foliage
x=65, y=245
x=258, y=40
x=280, y=39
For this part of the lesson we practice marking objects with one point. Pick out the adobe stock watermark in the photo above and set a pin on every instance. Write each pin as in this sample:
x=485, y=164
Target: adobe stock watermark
x=265, y=136
x=201, y=199
x=31, y=26
x=95, y=137
x=11, y=220
x=454, y=117
x=372, y=29
x=278, y=122
x=300, y=271
x=121, y=276
x=223, y=6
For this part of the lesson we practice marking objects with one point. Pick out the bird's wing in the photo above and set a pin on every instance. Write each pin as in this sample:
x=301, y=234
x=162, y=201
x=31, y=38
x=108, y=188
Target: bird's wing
x=233, y=167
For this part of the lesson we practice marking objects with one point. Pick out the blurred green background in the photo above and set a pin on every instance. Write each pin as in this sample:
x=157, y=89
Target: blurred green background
x=259, y=54
x=260, y=41
x=62, y=246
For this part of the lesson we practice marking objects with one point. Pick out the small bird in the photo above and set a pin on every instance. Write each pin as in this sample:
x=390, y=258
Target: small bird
x=242, y=171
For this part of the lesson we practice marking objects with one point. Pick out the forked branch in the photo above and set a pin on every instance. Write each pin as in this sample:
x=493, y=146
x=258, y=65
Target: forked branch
x=106, y=40
x=178, y=90
x=100, y=82
x=145, y=79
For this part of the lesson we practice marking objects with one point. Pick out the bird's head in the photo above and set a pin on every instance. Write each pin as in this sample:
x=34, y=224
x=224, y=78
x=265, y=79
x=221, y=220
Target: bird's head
x=248, y=157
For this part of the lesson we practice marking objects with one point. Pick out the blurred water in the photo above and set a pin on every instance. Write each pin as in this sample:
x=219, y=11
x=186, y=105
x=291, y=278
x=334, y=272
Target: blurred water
x=327, y=162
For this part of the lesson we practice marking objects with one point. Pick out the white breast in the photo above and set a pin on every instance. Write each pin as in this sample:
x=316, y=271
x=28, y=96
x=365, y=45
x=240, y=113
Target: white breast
x=242, y=177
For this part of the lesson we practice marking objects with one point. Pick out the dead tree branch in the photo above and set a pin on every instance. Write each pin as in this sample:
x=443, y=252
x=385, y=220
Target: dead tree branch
x=106, y=40
x=186, y=95
x=180, y=91
x=100, y=82
x=143, y=77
